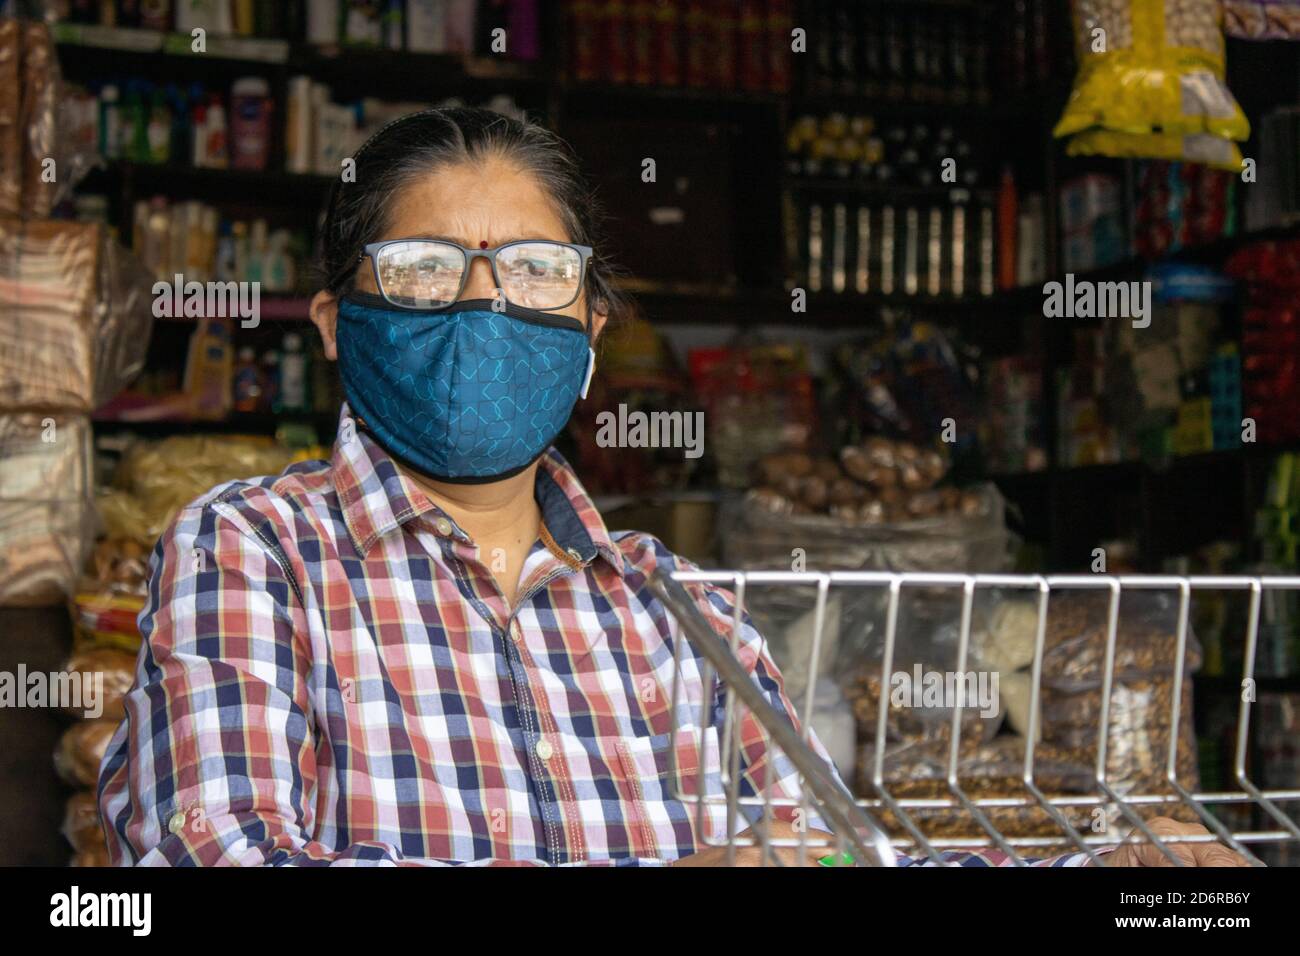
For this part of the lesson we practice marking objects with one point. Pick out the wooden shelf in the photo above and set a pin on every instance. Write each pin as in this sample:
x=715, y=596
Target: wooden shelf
x=688, y=304
x=293, y=54
x=192, y=182
x=253, y=423
x=127, y=40
x=947, y=192
x=273, y=307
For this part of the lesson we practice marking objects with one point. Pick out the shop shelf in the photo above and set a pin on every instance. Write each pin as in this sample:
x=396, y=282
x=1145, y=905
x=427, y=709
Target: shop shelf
x=142, y=180
x=273, y=308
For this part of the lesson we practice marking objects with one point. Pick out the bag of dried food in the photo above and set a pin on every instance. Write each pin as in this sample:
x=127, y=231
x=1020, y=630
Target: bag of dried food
x=111, y=594
x=81, y=826
x=81, y=750
x=75, y=315
x=924, y=684
x=1141, y=724
x=1151, y=66
x=46, y=516
x=933, y=529
x=163, y=476
x=992, y=768
x=111, y=672
x=1262, y=19
x=878, y=508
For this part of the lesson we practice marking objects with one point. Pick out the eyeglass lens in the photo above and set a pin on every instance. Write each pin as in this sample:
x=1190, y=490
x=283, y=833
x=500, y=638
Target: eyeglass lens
x=427, y=273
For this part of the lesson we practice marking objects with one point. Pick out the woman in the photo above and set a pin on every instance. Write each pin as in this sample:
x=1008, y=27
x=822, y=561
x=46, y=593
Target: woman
x=429, y=649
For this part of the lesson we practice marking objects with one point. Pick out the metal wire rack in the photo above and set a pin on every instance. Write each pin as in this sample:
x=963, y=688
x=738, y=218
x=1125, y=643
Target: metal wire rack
x=878, y=827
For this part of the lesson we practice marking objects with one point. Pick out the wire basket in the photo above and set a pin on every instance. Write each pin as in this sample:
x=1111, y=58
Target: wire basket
x=887, y=823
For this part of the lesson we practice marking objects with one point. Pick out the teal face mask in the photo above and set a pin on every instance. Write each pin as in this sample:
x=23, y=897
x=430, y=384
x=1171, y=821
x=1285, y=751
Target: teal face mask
x=465, y=394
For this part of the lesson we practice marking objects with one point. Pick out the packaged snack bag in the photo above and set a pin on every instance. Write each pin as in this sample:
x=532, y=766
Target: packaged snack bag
x=1151, y=66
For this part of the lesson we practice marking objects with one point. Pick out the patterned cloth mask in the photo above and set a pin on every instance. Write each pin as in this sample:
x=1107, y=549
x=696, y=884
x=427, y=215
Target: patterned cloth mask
x=465, y=394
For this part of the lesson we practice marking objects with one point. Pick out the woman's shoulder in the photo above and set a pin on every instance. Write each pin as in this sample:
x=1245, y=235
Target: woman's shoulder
x=258, y=500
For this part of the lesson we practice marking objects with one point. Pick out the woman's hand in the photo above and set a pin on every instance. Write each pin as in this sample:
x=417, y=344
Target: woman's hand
x=753, y=855
x=1192, y=854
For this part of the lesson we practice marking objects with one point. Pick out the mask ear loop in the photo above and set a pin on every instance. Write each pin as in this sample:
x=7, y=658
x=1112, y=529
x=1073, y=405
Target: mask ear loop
x=591, y=357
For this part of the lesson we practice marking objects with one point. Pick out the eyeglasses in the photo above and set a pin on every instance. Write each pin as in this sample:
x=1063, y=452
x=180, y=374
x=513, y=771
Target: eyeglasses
x=430, y=273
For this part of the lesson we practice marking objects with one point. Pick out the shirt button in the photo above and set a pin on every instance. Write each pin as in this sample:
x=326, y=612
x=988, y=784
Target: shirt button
x=544, y=750
x=177, y=822
x=516, y=630
x=443, y=526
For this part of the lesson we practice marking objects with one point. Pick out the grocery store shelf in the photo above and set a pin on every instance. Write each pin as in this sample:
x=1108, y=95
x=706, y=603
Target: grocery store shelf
x=296, y=55
x=1131, y=466
x=419, y=71
x=287, y=308
x=271, y=308
x=183, y=181
x=1173, y=463
x=253, y=423
x=693, y=303
x=607, y=95
x=131, y=40
x=854, y=186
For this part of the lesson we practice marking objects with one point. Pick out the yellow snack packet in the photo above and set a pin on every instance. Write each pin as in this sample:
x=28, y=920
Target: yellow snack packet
x=1151, y=66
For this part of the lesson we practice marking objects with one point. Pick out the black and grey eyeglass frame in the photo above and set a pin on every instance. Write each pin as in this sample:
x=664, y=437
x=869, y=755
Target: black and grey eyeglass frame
x=422, y=256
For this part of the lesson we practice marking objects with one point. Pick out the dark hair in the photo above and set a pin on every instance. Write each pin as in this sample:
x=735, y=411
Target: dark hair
x=422, y=142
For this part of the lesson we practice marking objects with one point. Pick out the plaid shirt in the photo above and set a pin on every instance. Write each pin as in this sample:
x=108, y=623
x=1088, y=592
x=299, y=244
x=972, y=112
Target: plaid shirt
x=330, y=676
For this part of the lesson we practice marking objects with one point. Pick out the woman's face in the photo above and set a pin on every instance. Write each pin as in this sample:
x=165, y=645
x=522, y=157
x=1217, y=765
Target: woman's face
x=490, y=202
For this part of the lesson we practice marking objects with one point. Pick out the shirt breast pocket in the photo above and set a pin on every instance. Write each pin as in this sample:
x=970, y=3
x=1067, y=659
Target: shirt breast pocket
x=661, y=780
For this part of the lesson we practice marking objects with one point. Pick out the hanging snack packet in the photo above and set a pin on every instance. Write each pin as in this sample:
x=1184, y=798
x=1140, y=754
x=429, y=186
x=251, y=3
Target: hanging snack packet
x=1151, y=66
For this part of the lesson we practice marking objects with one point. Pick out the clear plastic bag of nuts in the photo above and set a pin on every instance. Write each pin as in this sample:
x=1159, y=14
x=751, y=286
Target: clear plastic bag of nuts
x=879, y=505
x=985, y=769
x=994, y=769
x=923, y=685
x=1262, y=19
x=1141, y=721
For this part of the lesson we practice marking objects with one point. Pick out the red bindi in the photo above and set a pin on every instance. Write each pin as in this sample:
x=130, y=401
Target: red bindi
x=482, y=243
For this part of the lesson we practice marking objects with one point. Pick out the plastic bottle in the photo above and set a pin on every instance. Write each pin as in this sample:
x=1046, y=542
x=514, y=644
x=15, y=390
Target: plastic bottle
x=198, y=133
x=159, y=129
x=298, y=126
x=391, y=22
x=250, y=123
x=1031, y=264
x=110, y=122
x=156, y=247
x=239, y=232
x=1006, y=230
x=257, y=250
x=270, y=380
x=214, y=149
x=209, y=371
x=278, y=274
x=293, y=375
x=248, y=381
x=134, y=142
x=225, y=259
